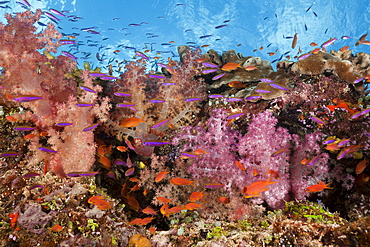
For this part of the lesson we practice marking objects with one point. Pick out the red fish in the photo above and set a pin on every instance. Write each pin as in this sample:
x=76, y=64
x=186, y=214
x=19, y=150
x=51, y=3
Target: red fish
x=195, y=196
x=100, y=201
x=181, y=181
x=131, y=122
x=318, y=187
x=255, y=189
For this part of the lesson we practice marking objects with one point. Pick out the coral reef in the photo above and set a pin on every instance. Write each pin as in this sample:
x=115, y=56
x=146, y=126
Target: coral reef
x=237, y=156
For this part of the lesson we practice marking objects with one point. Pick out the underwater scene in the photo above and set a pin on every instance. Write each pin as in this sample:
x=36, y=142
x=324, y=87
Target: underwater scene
x=184, y=123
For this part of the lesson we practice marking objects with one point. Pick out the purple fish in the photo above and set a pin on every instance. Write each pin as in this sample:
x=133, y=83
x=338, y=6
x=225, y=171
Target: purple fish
x=218, y=76
x=48, y=150
x=317, y=120
x=91, y=127
x=67, y=54
x=155, y=143
x=157, y=76
x=363, y=112
x=107, y=78
x=192, y=99
x=262, y=91
x=31, y=175
x=358, y=80
x=26, y=98
x=278, y=86
x=160, y=123
x=215, y=96
x=209, y=71
x=312, y=161
x=253, y=97
x=74, y=174
x=168, y=83
x=34, y=186
x=235, y=115
x=329, y=42
x=130, y=171
x=84, y=104
x=163, y=65
x=87, y=89
x=213, y=186
x=157, y=101
x=346, y=37
x=140, y=54
x=119, y=162
x=67, y=42
x=343, y=142
x=97, y=74
x=51, y=16
x=233, y=99
x=304, y=56
x=57, y=12
x=188, y=154
x=266, y=80
x=24, y=128
x=88, y=174
x=210, y=65
x=126, y=104
x=9, y=154
x=122, y=94
x=63, y=124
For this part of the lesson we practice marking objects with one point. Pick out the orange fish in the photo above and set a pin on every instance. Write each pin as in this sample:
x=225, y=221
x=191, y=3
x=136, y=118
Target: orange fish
x=361, y=179
x=317, y=187
x=271, y=53
x=239, y=165
x=164, y=210
x=255, y=189
x=195, y=196
x=56, y=228
x=105, y=162
x=273, y=174
x=200, y=152
x=136, y=221
x=163, y=199
x=122, y=148
x=181, y=181
x=152, y=230
x=361, y=166
x=230, y=66
x=223, y=200
x=192, y=206
x=332, y=147
x=313, y=44
x=295, y=40
x=100, y=201
x=149, y=210
x=236, y=84
x=160, y=176
x=204, y=46
x=131, y=122
x=146, y=221
x=133, y=202
x=104, y=149
x=344, y=48
x=29, y=136
x=250, y=68
x=11, y=118
x=176, y=209
x=315, y=51
x=13, y=219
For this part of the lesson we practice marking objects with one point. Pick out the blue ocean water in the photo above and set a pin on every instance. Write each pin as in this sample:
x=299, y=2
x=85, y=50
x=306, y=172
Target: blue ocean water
x=253, y=28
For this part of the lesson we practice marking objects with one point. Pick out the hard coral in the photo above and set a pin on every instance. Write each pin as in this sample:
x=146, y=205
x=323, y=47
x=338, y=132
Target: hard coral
x=324, y=62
